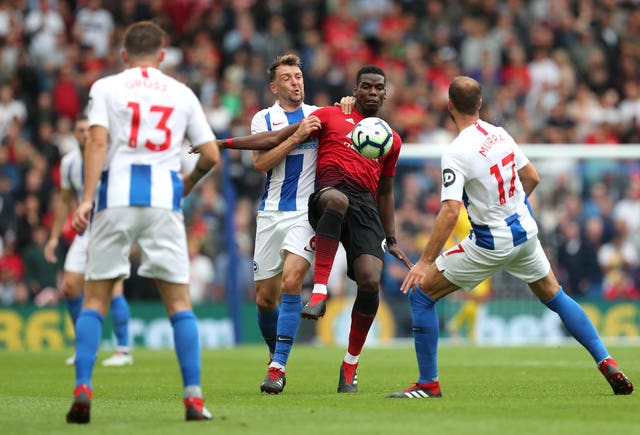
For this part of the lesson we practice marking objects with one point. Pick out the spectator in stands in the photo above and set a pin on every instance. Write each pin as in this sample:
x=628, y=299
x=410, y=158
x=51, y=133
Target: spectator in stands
x=10, y=109
x=628, y=209
x=39, y=274
x=619, y=260
x=201, y=272
x=63, y=137
x=577, y=260
x=66, y=98
x=12, y=287
x=94, y=27
x=44, y=25
x=545, y=49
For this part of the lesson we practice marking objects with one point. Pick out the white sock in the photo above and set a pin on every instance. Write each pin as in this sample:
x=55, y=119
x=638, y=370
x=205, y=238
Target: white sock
x=320, y=288
x=276, y=365
x=192, y=391
x=351, y=359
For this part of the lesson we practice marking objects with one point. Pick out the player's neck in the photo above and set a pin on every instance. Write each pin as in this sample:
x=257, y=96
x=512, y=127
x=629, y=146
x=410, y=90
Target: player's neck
x=288, y=107
x=144, y=64
x=464, y=121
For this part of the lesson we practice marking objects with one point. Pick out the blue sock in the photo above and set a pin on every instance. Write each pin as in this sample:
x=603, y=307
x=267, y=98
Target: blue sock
x=425, y=335
x=578, y=324
x=187, y=344
x=268, y=323
x=88, y=333
x=120, y=317
x=288, y=323
x=74, y=306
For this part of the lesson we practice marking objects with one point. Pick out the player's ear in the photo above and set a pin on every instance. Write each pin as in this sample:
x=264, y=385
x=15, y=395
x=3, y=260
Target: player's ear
x=124, y=56
x=272, y=88
x=479, y=104
x=161, y=55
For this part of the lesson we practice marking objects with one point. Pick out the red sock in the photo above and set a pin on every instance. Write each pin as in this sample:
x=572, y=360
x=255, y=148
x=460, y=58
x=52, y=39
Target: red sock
x=360, y=325
x=326, y=249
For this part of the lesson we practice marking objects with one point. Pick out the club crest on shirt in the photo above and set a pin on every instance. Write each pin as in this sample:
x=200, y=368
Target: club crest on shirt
x=448, y=177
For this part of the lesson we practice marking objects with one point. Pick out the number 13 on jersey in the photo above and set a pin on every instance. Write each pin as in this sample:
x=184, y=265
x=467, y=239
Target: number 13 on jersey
x=164, y=111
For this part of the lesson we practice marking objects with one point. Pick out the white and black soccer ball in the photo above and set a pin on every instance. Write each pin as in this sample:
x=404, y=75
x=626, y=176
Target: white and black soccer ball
x=372, y=137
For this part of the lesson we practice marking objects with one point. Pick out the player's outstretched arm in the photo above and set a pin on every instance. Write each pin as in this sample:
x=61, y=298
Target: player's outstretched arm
x=265, y=160
x=208, y=157
x=445, y=221
x=258, y=141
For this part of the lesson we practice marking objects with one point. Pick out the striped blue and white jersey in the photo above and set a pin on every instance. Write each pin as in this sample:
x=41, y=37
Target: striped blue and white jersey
x=480, y=167
x=72, y=173
x=290, y=183
x=148, y=114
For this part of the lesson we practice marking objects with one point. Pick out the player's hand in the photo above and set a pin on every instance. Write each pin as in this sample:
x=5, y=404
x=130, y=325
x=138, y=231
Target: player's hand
x=80, y=220
x=196, y=150
x=307, y=126
x=415, y=277
x=397, y=252
x=50, y=250
x=346, y=104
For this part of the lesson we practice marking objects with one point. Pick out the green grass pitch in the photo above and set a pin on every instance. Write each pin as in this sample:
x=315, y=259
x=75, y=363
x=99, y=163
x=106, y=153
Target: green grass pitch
x=486, y=390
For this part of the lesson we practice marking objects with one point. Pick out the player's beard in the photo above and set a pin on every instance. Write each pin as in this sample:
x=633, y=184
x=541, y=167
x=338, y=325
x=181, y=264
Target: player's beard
x=296, y=100
x=370, y=111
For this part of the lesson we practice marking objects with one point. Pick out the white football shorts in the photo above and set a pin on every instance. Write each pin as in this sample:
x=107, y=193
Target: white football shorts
x=277, y=232
x=467, y=265
x=76, y=259
x=159, y=233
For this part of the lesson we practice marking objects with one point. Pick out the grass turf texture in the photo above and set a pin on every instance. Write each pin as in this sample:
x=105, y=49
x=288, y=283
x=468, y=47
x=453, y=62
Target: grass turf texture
x=529, y=390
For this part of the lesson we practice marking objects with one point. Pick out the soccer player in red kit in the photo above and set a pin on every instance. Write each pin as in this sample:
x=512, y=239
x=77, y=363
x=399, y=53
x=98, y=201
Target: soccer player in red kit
x=353, y=204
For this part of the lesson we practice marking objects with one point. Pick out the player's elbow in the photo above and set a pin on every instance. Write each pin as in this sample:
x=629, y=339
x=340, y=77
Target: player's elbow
x=450, y=210
x=210, y=154
x=260, y=166
x=531, y=181
x=529, y=177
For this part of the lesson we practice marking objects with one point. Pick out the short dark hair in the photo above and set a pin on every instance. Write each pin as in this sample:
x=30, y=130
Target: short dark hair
x=465, y=93
x=143, y=38
x=80, y=117
x=370, y=69
x=289, y=59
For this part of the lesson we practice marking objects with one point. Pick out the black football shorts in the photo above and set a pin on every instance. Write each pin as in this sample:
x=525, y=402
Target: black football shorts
x=362, y=231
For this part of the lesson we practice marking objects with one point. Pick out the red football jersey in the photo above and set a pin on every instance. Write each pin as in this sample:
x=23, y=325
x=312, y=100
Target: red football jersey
x=340, y=163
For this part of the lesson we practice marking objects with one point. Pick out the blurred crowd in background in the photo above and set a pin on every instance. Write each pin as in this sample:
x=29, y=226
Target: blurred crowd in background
x=553, y=72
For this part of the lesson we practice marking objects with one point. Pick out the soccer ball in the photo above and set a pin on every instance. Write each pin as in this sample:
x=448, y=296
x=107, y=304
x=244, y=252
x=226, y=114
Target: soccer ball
x=372, y=137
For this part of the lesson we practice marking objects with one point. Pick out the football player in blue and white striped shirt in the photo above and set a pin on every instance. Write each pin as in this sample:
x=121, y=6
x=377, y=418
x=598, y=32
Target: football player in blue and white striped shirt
x=285, y=241
x=71, y=181
x=138, y=120
x=485, y=168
